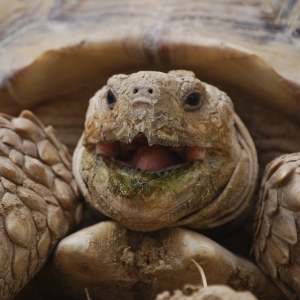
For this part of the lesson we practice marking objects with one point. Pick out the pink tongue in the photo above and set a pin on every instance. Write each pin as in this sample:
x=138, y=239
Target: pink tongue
x=153, y=158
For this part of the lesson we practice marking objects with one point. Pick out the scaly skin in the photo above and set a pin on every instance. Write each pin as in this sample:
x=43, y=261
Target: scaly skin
x=151, y=157
x=39, y=199
x=215, y=153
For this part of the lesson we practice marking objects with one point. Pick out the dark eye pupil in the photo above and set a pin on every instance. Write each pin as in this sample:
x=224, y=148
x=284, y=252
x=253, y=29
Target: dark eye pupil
x=111, y=99
x=193, y=99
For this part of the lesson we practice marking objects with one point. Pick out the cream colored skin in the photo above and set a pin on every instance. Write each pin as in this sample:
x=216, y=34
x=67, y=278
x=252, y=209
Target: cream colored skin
x=109, y=259
x=168, y=35
x=225, y=156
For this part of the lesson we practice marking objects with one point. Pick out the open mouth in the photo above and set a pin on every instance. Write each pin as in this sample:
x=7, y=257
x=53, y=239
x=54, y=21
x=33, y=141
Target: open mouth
x=148, y=187
x=139, y=155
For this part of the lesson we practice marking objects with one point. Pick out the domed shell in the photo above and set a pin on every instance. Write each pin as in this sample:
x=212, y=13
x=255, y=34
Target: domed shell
x=56, y=54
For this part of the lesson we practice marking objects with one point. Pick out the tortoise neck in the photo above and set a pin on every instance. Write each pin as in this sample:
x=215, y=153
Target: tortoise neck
x=238, y=192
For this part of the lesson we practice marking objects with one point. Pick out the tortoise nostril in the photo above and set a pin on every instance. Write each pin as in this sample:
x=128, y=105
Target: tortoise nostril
x=142, y=90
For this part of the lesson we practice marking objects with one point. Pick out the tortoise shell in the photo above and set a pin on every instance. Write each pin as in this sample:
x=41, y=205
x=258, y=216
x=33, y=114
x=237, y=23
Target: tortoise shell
x=56, y=54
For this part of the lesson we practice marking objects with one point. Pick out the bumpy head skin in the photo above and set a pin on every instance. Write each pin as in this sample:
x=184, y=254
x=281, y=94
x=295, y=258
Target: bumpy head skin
x=160, y=149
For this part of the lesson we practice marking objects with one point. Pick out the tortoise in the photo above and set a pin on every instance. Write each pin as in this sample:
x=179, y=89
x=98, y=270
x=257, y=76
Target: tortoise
x=56, y=55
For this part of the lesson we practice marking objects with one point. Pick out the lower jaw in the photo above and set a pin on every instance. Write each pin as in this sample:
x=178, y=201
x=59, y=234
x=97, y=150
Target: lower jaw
x=130, y=182
x=149, y=200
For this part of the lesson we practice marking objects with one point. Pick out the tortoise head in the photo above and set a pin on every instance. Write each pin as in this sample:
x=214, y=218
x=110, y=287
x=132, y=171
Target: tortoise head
x=162, y=150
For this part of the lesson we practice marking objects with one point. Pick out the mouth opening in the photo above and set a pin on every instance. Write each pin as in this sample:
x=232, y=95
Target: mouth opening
x=139, y=155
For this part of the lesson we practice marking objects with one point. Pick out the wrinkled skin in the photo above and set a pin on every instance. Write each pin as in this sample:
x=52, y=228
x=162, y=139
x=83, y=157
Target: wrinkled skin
x=152, y=157
x=182, y=159
x=86, y=41
x=155, y=160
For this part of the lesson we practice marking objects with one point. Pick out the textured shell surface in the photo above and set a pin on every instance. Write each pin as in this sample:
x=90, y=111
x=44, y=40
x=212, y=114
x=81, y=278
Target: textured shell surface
x=55, y=54
x=58, y=53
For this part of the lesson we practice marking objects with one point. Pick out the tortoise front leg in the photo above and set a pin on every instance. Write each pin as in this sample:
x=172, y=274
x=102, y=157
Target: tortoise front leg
x=113, y=262
x=276, y=247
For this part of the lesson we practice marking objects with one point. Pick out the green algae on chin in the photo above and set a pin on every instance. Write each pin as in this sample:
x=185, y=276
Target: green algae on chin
x=131, y=183
x=138, y=198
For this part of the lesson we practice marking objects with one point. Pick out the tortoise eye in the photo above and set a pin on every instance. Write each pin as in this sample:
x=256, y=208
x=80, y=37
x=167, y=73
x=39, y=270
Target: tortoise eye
x=193, y=101
x=111, y=99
